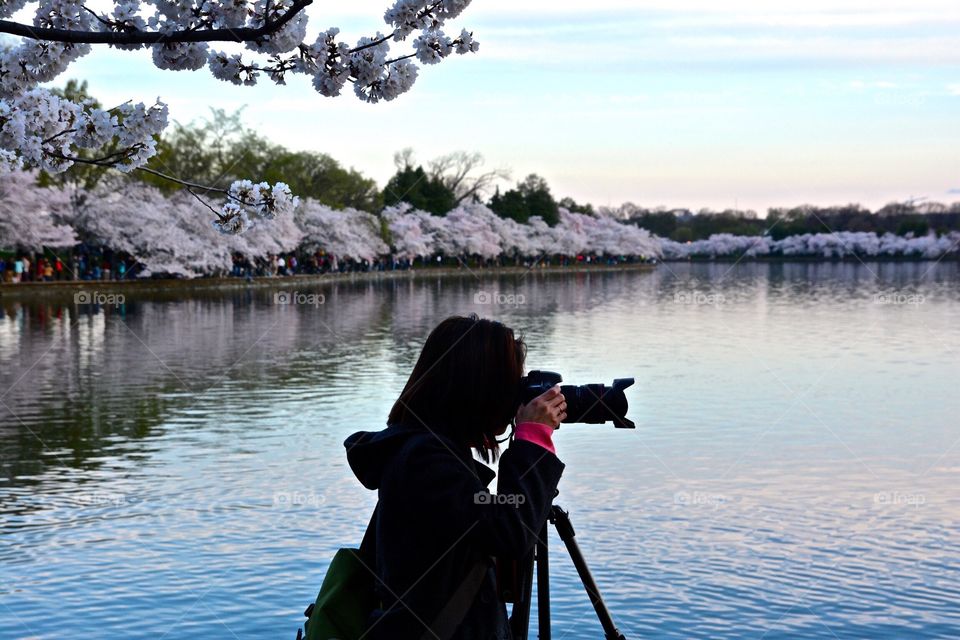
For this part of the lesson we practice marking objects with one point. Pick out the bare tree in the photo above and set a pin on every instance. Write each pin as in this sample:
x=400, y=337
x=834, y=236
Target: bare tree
x=458, y=171
x=404, y=158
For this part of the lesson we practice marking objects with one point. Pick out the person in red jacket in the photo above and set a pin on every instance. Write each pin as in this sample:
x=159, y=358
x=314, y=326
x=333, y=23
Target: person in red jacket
x=437, y=527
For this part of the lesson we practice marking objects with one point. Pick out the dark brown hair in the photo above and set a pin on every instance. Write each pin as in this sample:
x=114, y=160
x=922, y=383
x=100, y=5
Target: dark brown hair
x=465, y=384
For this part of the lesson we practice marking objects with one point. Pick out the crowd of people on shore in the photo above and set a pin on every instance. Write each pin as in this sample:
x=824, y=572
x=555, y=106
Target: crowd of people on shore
x=321, y=262
x=50, y=266
x=102, y=264
x=20, y=268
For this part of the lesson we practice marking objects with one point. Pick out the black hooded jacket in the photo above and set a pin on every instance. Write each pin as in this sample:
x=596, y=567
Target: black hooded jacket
x=436, y=519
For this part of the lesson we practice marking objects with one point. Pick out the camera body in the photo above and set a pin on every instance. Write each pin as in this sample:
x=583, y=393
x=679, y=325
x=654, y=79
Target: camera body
x=588, y=403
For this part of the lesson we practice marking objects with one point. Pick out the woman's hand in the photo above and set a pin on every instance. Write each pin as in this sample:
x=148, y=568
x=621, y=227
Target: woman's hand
x=550, y=407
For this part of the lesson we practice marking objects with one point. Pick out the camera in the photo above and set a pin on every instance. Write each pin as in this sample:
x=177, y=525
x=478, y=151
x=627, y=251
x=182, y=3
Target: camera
x=587, y=403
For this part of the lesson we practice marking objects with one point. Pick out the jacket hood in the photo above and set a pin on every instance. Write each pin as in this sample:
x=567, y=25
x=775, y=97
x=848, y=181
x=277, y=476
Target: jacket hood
x=368, y=453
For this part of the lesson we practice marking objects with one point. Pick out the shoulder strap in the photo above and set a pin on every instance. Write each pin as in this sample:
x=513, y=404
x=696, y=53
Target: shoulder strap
x=456, y=608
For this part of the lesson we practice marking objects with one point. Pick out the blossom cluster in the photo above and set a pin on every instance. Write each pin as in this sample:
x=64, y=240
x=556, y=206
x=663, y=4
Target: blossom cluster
x=261, y=200
x=43, y=130
x=329, y=62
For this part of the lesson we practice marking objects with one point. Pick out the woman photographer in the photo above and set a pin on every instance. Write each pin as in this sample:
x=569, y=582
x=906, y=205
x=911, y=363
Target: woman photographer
x=436, y=525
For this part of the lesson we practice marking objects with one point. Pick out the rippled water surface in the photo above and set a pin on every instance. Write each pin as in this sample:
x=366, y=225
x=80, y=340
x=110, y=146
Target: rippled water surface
x=174, y=468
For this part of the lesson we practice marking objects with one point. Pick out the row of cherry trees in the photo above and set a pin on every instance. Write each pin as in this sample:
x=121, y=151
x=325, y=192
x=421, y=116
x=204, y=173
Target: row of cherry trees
x=837, y=245
x=173, y=235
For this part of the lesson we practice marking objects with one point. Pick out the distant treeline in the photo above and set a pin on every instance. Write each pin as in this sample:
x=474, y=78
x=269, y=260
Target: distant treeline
x=899, y=218
x=217, y=150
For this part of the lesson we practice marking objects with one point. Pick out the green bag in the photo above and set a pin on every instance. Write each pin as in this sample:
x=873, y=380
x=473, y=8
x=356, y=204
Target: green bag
x=345, y=600
x=347, y=595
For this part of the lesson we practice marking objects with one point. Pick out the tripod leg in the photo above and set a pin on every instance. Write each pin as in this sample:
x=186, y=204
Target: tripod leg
x=543, y=586
x=561, y=520
x=520, y=614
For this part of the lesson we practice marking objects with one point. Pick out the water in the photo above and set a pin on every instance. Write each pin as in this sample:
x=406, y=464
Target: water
x=174, y=469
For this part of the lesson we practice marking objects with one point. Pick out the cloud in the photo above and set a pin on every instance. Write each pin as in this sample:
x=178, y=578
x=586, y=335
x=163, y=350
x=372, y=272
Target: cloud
x=953, y=89
x=954, y=192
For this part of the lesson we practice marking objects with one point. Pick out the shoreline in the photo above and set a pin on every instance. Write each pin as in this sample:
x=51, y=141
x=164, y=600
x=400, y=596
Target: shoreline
x=808, y=259
x=174, y=286
x=177, y=287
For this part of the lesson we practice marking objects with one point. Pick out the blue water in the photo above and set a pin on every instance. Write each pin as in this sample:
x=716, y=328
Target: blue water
x=174, y=468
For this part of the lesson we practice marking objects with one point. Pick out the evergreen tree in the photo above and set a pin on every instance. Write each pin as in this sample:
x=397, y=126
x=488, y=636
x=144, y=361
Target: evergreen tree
x=573, y=206
x=422, y=191
x=530, y=198
x=510, y=205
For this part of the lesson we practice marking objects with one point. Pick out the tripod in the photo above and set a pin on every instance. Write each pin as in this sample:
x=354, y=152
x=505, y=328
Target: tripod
x=520, y=615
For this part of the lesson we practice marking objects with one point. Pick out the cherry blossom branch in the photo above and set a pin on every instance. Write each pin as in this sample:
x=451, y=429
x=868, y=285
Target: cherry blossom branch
x=240, y=34
x=266, y=202
x=392, y=61
x=219, y=215
x=373, y=43
x=187, y=185
x=103, y=162
x=57, y=135
x=100, y=19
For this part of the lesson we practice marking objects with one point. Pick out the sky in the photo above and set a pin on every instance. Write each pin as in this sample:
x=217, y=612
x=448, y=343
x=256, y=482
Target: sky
x=682, y=103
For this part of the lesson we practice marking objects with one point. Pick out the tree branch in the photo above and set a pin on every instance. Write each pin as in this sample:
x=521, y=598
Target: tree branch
x=411, y=55
x=188, y=186
x=204, y=202
x=184, y=183
x=95, y=15
x=104, y=162
x=243, y=34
